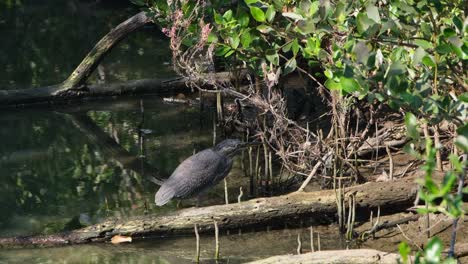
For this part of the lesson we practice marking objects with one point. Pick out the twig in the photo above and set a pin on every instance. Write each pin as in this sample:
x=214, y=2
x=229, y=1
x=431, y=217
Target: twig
x=299, y=244
x=376, y=228
x=239, y=198
x=407, y=238
x=226, y=194
x=197, y=236
x=312, y=239
x=390, y=160
x=311, y=175
x=216, y=240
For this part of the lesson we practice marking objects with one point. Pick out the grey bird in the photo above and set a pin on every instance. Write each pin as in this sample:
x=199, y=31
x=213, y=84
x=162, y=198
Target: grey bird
x=199, y=172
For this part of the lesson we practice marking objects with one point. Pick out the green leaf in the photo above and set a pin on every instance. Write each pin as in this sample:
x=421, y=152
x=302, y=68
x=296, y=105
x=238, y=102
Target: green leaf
x=364, y=23
x=419, y=53
x=397, y=68
x=218, y=18
x=449, y=32
x=462, y=142
x=272, y=56
x=229, y=53
x=458, y=23
x=428, y=61
x=295, y=47
x=411, y=123
x=212, y=38
x=243, y=19
x=270, y=13
x=332, y=85
x=433, y=250
x=404, y=250
x=443, y=48
x=228, y=15
x=314, y=7
x=264, y=29
x=423, y=44
x=328, y=73
x=293, y=16
x=290, y=66
x=349, y=85
x=234, y=41
x=246, y=39
x=249, y=2
x=257, y=14
x=463, y=97
x=373, y=13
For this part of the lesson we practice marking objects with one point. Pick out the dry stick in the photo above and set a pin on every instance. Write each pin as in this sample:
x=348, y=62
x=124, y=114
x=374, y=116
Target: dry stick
x=407, y=238
x=312, y=239
x=390, y=159
x=239, y=198
x=257, y=169
x=197, y=236
x=299, y=244
x=265, y=154
x=461, y=182
x=251, y=173
x=226, y=195
x=270, y=166
x=219, y=108
x=216, y=240
x=311, y=175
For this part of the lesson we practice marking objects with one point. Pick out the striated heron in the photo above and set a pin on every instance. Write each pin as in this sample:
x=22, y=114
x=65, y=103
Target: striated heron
x=200, y=171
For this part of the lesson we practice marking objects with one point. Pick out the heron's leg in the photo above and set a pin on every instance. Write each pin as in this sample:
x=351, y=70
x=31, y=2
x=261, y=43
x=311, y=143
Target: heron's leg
x=179, y=204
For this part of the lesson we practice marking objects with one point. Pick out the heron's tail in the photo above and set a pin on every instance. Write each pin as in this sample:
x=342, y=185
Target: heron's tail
x=164, y=195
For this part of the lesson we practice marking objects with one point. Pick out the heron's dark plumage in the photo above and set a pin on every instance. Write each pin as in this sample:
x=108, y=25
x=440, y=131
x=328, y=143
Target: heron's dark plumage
x=194, y=175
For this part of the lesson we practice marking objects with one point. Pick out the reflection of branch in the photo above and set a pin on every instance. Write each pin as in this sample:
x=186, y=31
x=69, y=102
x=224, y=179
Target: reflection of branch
x=112, y=149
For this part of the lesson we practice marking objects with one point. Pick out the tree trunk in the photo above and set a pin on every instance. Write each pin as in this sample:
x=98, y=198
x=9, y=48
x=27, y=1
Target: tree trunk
x=94, y=57
x=9, y=98
x=319, y=207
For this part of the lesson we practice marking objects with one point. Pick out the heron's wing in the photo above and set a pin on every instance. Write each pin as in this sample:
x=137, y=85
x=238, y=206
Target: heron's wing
x=200, y=171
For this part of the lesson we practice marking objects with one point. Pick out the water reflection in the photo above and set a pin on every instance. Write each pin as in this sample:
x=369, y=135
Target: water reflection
x=234, y=248
x=43, y=41
x=66, y=168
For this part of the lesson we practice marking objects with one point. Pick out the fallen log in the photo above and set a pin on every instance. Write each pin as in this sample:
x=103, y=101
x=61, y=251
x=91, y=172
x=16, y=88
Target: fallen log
x=318, y=207
x=358, y=256
x=352, y=256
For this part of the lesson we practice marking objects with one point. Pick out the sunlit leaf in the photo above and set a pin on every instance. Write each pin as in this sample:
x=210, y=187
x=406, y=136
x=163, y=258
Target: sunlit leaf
x=433, y=250
x=423, y=44
x=349, y=85
x=257, y=13
x=373, y=13
x=270, y=13
x=293, y=16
